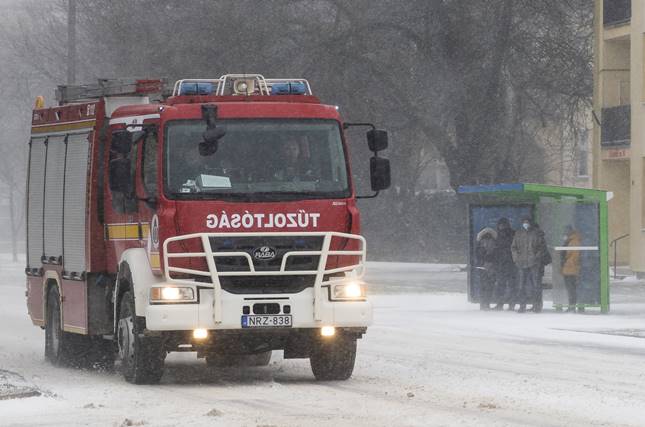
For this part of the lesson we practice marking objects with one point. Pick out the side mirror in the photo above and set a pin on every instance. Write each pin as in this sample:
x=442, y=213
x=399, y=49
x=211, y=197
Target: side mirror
x=377, y=139
x=121, y=141
x=379, y=173
x=120, y=176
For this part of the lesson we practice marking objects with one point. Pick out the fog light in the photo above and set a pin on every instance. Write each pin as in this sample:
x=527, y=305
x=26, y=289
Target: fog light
x=327, y=331
x=200, y=334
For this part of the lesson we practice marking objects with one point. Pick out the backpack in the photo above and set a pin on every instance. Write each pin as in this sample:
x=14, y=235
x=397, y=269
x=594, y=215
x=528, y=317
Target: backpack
x=546, y=257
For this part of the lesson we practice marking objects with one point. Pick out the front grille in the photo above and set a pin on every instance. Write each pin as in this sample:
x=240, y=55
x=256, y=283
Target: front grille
x=281, y=244
x=266, y=284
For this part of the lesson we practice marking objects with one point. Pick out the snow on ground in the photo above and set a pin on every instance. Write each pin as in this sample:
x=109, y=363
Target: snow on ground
x=430, y=359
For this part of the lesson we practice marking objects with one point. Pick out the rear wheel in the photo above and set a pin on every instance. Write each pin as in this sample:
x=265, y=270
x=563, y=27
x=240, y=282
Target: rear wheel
x=55, y=338
x=333, y=359
x=142, y=358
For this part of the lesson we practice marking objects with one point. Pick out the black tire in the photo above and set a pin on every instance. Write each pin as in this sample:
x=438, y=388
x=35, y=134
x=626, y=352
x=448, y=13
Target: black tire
x=220, y=360
x=142, y=358
x=55, y=339
x=333, y=359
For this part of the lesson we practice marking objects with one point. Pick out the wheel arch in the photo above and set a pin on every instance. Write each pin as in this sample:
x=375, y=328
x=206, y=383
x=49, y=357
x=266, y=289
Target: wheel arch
x=50, y=279
x=134, y=274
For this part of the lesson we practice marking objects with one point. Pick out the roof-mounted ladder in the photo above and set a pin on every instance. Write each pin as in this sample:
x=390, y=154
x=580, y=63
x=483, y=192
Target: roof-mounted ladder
x=108, y=87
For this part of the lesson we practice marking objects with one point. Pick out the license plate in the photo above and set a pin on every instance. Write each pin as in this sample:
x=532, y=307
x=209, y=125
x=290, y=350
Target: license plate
x=266, y=321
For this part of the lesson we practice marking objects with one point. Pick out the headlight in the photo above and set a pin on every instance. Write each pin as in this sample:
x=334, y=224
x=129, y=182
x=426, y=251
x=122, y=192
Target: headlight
x=348, y=291
x=171, y=294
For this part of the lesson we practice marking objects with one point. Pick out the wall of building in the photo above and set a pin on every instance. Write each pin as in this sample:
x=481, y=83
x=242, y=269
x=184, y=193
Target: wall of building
x=637, y=223
x=618, y=159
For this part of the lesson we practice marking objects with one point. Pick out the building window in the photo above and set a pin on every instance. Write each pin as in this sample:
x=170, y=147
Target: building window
x=617, y=12
x=583, y=153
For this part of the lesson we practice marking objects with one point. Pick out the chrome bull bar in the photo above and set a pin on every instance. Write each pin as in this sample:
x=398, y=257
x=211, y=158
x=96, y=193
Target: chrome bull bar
x=356, y=270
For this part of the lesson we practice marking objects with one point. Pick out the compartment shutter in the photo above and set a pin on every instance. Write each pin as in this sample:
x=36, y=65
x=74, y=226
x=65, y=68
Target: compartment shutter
x=54, y=176
x=75, y=204
x=35, y=203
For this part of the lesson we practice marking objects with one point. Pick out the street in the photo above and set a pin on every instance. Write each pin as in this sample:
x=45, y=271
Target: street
x=430, y=358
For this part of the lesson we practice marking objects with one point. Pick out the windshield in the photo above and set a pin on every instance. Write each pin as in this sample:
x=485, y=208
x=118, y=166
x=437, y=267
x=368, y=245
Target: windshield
x=272, y=159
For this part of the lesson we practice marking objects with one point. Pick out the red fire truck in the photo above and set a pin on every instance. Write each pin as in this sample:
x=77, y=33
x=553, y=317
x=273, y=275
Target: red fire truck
x=219, y=217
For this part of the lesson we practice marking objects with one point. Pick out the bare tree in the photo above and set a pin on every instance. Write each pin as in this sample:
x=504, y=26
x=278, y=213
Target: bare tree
x=490, y=87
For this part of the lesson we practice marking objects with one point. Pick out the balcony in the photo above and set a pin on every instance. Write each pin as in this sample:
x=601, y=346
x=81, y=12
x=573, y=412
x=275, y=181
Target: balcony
x=617, y=12
x=616, y=123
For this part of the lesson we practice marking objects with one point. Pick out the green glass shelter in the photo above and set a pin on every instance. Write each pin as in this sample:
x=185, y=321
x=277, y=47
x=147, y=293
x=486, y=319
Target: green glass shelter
x=555, y=209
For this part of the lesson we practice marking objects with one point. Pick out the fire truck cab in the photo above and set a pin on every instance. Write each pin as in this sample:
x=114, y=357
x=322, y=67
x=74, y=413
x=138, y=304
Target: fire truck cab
x=219, y=218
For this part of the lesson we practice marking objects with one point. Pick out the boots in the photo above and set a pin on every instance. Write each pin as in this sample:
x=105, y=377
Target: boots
x=522, y=308
x=498, y=307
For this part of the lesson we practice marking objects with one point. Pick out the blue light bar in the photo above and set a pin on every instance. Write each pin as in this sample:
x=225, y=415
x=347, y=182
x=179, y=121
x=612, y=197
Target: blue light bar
x=291, y=88
x=196, y=88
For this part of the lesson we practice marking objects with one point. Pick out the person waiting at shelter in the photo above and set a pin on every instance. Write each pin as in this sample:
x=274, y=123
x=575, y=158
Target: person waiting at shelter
x=527, y=249
x=506, y=283
x=486, y=254
x=570, y=266
x=546, y=260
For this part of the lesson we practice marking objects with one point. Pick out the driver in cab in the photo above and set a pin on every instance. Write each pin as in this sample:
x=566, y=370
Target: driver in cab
x=292, y=161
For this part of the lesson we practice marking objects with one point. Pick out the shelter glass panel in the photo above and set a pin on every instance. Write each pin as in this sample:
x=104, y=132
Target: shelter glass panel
x=572, y=235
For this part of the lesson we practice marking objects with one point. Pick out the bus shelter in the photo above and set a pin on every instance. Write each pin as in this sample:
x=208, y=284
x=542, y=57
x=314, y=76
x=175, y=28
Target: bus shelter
x=556, y=210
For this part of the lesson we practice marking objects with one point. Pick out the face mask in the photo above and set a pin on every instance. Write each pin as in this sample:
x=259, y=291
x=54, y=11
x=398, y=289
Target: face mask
x=526, y=225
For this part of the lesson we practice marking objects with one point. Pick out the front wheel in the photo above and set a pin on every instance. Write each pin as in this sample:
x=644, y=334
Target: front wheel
x=142, y=358
x=333, y=359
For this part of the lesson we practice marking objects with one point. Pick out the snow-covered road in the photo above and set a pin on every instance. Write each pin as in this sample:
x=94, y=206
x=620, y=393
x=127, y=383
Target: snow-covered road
x=430, y=359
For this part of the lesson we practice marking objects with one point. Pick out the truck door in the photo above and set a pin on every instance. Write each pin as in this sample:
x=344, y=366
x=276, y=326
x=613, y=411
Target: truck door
x=122, y=229
x=148, y=194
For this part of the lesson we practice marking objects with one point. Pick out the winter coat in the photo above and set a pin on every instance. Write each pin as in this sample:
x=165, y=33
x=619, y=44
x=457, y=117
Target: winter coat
x=486, y=249
x=571, y=263
x=504, y=257
x=527, y=248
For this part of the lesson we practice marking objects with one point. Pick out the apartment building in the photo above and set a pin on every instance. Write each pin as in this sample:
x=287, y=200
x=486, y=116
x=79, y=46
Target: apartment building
x=619, y=122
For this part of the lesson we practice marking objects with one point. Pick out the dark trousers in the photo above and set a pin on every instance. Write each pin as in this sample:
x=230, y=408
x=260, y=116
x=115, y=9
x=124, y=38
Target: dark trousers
x=571, y=282
x=530, y=289
x=506, y=286
x=487, y=284
x=540, y=289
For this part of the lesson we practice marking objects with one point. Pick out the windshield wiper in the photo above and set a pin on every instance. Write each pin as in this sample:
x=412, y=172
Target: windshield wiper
x=263, y=195
x=212, y=195
x=304, y=194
